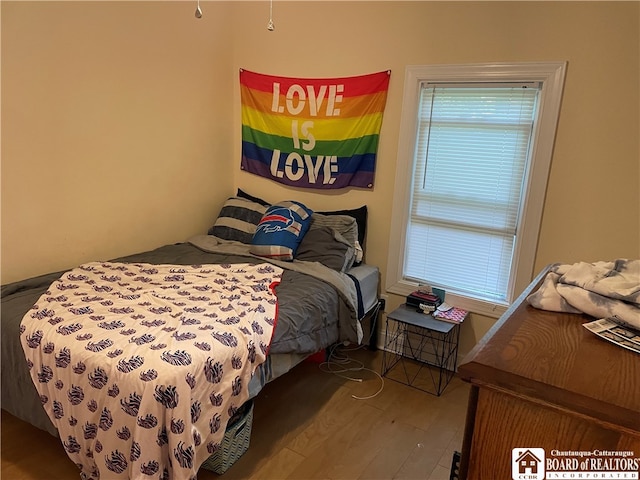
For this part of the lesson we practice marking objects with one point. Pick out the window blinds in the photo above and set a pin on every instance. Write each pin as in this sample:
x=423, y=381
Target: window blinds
x=470, y=163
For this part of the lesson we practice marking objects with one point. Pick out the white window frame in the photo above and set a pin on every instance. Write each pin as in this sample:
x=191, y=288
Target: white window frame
x=551, y=76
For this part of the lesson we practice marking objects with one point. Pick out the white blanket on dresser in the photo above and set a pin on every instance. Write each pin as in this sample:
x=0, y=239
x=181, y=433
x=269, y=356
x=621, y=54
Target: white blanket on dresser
x=601, y=289
x=141, y=366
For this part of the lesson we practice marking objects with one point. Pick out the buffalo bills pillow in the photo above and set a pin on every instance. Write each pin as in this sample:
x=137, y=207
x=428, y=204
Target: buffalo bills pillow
x=280, y=231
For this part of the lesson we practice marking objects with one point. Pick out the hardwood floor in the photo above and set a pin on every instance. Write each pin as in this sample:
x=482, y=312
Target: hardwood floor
x=307, y=425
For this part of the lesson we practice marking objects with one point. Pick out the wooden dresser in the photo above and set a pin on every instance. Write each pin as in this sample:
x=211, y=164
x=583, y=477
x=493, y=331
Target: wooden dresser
x=539, y=379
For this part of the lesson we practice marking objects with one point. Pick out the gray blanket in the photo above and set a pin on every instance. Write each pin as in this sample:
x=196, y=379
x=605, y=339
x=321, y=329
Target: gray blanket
x=342, y=283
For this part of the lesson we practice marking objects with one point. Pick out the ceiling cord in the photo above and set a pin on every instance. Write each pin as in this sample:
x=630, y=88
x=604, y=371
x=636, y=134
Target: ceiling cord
x=271, y=26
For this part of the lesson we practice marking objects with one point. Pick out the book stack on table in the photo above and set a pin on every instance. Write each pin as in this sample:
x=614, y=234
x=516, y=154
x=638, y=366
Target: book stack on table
x=423, y=301
x=431, y=302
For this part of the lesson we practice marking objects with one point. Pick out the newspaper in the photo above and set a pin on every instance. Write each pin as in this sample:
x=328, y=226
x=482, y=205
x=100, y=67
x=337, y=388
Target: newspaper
x=610, y=329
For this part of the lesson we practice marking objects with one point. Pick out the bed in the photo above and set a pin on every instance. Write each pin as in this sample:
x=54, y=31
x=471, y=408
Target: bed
x=324, y=293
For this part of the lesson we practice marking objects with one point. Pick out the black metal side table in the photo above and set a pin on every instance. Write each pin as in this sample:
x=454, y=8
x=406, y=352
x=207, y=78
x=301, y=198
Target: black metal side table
x=419, y=350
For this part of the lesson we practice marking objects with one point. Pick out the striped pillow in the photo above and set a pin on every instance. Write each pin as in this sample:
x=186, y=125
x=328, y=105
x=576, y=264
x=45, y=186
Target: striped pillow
x=238, y=220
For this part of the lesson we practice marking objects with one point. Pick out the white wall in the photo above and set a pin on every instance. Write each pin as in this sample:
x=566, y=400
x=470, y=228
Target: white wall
x=121, y=121
x=592, y=207
x=116, y=126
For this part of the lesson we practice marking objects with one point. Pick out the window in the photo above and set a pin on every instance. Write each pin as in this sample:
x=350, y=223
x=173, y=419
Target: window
x=474, y=155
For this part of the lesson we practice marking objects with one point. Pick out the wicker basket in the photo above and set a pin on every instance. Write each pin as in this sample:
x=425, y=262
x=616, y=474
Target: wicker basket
x=235, y=441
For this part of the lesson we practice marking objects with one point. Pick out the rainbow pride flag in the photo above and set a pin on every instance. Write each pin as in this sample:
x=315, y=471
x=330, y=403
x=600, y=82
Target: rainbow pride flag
x=312, y=132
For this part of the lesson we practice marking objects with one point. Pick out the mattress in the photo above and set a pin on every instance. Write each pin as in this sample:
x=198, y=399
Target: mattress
x=368, y=278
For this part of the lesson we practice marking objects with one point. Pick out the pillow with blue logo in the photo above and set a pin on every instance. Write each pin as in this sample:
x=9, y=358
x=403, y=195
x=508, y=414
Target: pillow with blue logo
x=280, y=231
